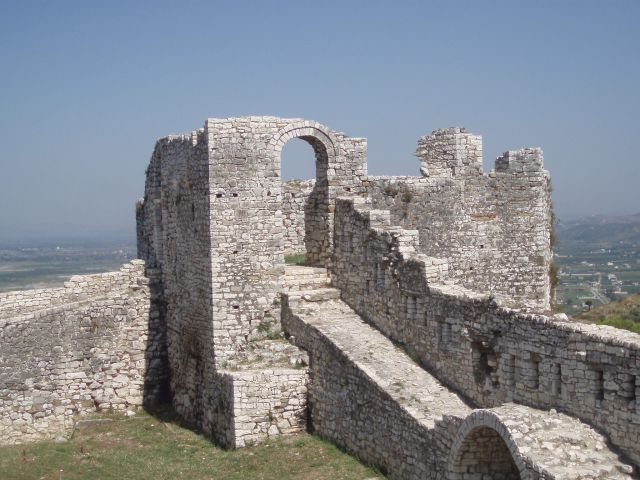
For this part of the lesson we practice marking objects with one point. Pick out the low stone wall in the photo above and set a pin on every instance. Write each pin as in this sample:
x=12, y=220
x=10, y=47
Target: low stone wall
x=267, y=403
x=76, y=289
x=348, y=407
x=491, y=354
x=79, y=357
x=295, y=194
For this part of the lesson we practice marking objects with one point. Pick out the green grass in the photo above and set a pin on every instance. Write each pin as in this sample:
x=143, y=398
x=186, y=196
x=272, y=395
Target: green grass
x=295, y=259
x=620, y=322
x=148, y=447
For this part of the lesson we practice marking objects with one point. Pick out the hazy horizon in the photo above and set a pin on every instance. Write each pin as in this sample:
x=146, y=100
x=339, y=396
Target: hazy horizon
x=88, y=88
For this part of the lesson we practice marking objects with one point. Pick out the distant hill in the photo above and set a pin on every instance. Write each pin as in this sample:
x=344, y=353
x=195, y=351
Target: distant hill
x=601, y=229
x=624, y=313
x=627, y=307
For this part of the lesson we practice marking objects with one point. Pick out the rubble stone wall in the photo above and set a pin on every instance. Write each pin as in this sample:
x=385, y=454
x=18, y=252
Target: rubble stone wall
x=212, y=224
x=351, y=409
x=72, y=359
x=490, y=353
x=268, y=403
x=494, y=230
x=76, y=289
x=174, y=237
x=295, y=194
x=247, y=226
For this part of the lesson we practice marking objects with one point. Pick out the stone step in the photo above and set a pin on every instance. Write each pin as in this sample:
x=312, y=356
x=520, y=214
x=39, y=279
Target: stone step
x=299, y=278
x=303, y=270
x=305, y=285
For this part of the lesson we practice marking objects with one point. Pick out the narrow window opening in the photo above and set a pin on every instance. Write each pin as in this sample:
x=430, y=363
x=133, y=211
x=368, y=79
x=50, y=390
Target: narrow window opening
x=556, y=379
x=218, y=195
x=234, y=194
x=485, y=364
x=629, y=389
x=380, y=276
x=510, y=367
x=412, y=308
x=535, y=377
x=599, y=390
x=446, y=332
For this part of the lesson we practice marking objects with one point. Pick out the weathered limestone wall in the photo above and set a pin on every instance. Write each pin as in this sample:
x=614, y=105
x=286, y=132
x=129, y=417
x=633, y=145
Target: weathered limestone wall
x=77, y=289
x=368, y=396
x=295, y=194
x=490, y=353
x=212, y=224
x=493, y=230
x=354, y=405
x=268, y=403
x=174, y=238
x=247, y=226
x=75, y=358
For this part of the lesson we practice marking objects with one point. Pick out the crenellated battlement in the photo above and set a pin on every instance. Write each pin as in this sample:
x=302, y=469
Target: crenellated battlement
x=450, y=152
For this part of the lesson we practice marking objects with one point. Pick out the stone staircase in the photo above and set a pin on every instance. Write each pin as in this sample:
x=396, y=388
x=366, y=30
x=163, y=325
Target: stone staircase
x=369, y=397
x=301, y=278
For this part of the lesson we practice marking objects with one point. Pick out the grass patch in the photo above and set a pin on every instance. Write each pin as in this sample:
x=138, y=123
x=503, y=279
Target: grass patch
x=295, y=259
x=619, y=322
x=145, y=446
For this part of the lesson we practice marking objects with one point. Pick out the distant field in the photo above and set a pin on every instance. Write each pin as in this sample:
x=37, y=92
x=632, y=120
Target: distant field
x=144, y=447
x=41, y=267
x=586, y=268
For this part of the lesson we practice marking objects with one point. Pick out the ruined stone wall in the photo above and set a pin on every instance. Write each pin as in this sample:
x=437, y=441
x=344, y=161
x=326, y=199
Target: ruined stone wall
x=212, y=223
x=489, y=353
x=494, y=229
x=174, y=238
x=76, y=289
x=295, y=194
x=247, y=226
x=268, y=403
x=78, y=357
x=348, y=407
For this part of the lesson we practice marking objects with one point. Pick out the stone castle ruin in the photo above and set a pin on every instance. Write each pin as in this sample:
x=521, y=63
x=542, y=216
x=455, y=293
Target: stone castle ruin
x=418, y=335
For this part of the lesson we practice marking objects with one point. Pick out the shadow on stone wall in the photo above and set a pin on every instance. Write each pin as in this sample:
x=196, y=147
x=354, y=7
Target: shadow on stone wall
x=156, y=378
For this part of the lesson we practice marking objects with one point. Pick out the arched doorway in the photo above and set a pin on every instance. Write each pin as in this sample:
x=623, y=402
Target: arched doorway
x=483, y=454
x=316, y=208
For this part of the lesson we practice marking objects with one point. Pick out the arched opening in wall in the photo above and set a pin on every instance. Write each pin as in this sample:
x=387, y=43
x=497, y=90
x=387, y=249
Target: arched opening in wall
x=304, y=164
x=483, y=455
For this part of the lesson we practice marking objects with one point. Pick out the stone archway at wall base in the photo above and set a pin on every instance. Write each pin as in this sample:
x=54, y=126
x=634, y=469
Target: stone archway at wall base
x=484, y=449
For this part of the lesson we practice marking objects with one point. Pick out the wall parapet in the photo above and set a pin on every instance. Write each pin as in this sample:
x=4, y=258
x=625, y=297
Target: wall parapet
x=78, y=288
x=490, y=353
x=73, y=358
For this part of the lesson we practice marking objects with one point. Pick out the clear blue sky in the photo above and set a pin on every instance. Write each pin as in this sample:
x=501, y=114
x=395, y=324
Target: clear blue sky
x=86, y=88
